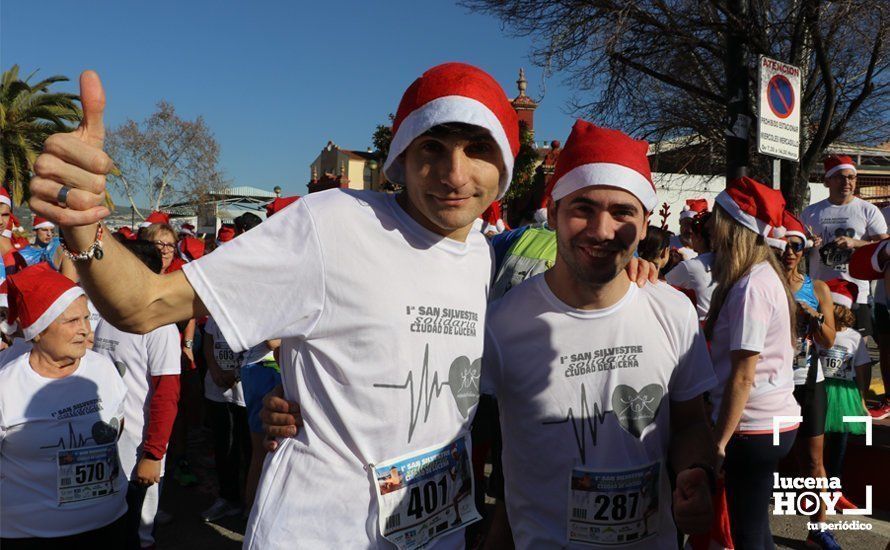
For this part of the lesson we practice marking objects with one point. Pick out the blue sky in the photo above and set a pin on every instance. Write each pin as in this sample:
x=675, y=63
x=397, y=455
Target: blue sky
x=275, y=80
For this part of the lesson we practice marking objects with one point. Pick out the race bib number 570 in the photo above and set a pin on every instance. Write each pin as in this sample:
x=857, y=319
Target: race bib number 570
x=426, y=494
x=87, y=473
x=613, y=507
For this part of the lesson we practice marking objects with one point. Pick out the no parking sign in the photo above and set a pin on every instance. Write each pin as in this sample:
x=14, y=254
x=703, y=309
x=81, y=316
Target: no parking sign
x=778, y=110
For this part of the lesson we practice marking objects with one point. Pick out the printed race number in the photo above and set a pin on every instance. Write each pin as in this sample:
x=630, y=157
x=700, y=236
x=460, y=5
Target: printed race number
x=837, y=363
x=429, y=502
x=425, y=495
x=613, y=507
x=87, y=473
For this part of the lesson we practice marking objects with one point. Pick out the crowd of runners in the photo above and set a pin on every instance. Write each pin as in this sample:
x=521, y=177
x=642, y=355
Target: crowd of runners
x=361, y=356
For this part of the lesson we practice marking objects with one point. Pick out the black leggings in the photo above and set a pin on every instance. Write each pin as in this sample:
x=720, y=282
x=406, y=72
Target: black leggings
x=749, y=466
x=835, y=452
x=231, y=445
x=112, y=535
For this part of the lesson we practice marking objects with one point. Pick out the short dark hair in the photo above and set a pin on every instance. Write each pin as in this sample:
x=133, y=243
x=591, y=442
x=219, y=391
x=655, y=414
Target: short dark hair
x=470, y=131
x=147, y=253
x=246, y=222
x=702, y=228
x=653, y=244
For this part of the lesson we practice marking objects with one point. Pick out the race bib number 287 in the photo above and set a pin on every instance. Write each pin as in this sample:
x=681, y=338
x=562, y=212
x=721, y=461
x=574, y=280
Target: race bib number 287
x=613, y=507
x=426, y=494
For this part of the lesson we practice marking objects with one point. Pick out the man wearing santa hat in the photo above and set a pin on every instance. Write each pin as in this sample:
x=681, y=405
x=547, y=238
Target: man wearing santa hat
x=43, y=231
x=606, y=376
x=840, y=224
x=46, y=246
x=377, y=298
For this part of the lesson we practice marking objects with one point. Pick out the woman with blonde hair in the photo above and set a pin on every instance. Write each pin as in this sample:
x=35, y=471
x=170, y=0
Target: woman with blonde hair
x=752, y=348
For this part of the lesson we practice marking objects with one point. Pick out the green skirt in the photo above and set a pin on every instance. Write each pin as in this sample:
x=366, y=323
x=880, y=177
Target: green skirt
x=843, y=399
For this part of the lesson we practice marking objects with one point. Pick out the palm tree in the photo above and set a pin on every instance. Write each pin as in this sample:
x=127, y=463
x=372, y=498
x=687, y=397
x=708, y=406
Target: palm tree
x=28, y=115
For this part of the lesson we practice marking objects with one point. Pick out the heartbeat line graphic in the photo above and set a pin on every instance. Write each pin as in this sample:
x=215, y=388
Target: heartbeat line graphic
x=75, y=441
x=424, y=397
x=591, y=422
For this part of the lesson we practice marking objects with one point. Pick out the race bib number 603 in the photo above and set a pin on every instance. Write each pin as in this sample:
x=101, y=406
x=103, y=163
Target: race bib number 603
x=426, y=494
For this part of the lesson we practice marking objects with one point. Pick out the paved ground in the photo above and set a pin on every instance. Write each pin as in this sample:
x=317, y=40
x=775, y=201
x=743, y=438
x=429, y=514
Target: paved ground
x=188, y=532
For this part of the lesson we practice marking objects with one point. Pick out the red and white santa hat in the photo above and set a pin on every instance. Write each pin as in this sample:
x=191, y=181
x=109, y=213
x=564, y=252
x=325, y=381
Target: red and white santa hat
x=492, y=219
x=595, y=156
x=37, y=295
x=755, y=206
x=693, y=208
x=42, y=223
x=454, y=92
x=843, y=292
x=836, y=163
x=4, y=197
x=795, y=228
x=155, y=217
x=187, y=229
x=190, y=248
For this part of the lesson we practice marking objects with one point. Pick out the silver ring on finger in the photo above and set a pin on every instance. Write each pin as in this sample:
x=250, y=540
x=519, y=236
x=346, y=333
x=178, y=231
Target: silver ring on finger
x=62, y=197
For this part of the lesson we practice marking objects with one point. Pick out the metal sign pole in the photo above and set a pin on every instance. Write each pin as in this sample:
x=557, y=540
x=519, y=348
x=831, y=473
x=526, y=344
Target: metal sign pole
x=777, y=174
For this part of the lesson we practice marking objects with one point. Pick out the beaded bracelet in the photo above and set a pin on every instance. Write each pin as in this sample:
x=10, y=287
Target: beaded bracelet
x=94, y=251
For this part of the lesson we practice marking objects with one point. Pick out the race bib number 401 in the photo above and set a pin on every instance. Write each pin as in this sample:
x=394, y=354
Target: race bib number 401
x=613, y=507
x=426, y=494
x=87, y=473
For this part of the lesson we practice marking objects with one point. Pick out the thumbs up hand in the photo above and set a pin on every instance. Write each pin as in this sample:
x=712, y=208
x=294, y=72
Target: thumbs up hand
x=75, y=160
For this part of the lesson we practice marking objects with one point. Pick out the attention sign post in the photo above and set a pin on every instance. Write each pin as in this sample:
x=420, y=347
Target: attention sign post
x=778, y=110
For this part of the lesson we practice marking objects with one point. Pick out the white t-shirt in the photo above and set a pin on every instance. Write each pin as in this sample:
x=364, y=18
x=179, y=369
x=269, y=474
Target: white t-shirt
x=857, y=219
x=227, y=360
x=381, y=322
x=60, y=470
x=695, y=275
x=848, y=352
x=755, y=318
x=591, y=390
x=137, y=358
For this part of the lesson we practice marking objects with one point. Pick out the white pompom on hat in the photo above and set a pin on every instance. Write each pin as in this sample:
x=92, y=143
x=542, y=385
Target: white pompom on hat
x=693, y=208
x=448, y=93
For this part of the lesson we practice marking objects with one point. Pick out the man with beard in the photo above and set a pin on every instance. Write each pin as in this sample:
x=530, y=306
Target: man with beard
x=599, y=382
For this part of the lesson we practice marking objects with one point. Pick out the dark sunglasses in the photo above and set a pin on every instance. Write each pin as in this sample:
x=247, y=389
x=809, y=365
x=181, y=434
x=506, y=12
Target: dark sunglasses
x=796, y=246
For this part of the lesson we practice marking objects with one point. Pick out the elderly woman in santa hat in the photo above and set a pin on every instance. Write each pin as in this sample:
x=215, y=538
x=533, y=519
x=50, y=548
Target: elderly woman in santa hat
x=750, y=328
x=61, y=412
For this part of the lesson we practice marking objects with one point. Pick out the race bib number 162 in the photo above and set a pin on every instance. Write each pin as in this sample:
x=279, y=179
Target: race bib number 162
x=426, y=494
